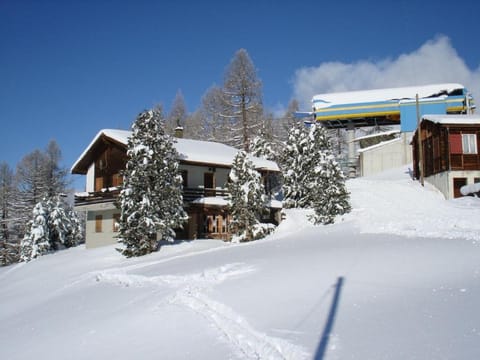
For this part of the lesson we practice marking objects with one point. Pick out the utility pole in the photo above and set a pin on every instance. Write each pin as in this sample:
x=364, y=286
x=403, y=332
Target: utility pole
x=420, y=147
x=467, y=101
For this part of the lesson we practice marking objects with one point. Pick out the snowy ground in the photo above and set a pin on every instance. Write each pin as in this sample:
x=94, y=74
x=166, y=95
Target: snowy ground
x=398, y=278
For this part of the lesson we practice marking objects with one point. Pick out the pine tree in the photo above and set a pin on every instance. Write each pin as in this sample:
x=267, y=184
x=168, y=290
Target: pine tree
x=53, y=225
x=242, y=97
x=177, y=115
x=30, y=178
x=151, y=200
x=303, y=154
x=331, y=198
x=55, y=177
x=9, y=252
x=6, y=210
x=36, y=240
x=76, y=234
x=194, y=126
x=312, y=176
x=247, y=198
x=288, y=121
x=3, y=250
x=38, y=176
x=294, y=163
x=263, y=146
x=216, y=122
x=63, y=226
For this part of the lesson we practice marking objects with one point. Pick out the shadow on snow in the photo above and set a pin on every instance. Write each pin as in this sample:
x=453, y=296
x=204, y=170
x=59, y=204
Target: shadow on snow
x=323, y=345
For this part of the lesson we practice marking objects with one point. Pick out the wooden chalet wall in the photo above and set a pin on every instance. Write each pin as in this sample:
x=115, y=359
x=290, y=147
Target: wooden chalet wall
x=435, y=148
x=442, y=148
x=458, y=160
x=108, y=165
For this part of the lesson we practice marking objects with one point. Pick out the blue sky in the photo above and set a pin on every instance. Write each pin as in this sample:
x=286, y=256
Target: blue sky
x=70, y=68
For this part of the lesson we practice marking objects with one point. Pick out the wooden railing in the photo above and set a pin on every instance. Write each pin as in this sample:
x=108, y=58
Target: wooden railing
x=189, y=195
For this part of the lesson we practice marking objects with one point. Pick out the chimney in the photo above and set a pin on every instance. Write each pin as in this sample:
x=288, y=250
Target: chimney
x=179, y=132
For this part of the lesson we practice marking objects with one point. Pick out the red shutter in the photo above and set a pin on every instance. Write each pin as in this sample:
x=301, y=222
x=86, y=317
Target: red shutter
x=455, y=143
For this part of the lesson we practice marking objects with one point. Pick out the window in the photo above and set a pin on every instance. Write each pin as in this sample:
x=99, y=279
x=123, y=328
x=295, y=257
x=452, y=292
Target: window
x=469, y=143
x=116, y=221
x=209, y=184
x=184, y=174
x=98, y=223
x=117, y=180
x=98, y=183
x=457, y=185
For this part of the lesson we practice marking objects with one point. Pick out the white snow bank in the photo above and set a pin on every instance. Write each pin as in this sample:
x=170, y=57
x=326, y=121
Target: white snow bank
x=470, y=189
x=393, y=203
x=403, y=295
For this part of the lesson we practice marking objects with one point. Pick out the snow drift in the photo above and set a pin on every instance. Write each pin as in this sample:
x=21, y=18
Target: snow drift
x=397, y=278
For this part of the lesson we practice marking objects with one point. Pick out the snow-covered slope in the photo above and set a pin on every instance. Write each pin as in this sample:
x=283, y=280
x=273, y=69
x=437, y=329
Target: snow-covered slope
x=398, y=278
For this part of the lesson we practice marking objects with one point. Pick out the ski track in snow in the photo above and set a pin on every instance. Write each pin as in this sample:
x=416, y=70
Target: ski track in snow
x=190, y=291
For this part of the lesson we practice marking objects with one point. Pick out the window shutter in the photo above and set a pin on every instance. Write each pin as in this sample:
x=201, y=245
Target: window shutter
x=98, y=223
x=455, y=143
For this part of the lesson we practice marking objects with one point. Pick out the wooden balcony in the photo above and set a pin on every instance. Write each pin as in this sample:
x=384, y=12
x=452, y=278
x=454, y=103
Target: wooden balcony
x=109, y=195
x=96, y=197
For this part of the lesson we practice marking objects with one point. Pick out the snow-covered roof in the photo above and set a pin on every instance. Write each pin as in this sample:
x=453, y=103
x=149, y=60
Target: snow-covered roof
x=192, y=151
x=380, y=144
x=216, y=153
x=453, y=119
x=385, y=133
x=365, y=96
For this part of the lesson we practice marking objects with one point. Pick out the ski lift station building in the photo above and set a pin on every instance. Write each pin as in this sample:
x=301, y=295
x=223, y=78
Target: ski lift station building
x=382, y=107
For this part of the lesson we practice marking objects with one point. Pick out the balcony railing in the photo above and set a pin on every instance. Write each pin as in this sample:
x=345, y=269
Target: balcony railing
x=191, y=194
x=110, y=194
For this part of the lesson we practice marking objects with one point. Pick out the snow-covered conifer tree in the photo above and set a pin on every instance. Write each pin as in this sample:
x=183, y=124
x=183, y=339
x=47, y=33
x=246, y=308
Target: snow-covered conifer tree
x=62, y=224
x=328, y=194
x=76, y=235
x=294, y=163
x=8, y=248
x=262, y=146
x=312, y=177
x=331, y=198
x=8, y=252
x=247, y=199
x=151, y=199
x=36, y=239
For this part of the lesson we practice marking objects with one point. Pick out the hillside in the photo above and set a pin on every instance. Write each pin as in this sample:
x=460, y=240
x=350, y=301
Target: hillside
x=397, y=278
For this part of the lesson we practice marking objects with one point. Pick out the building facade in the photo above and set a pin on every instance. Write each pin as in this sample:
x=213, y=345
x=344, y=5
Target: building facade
x=446, y=152
x=400, y=107
x=204, y=167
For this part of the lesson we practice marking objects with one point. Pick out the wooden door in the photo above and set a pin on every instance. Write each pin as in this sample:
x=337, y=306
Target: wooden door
x=457, y=184
x=209, y=184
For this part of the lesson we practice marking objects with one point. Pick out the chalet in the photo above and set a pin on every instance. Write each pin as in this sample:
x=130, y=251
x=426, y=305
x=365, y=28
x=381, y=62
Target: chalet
x=449, y=147
x=204, y=167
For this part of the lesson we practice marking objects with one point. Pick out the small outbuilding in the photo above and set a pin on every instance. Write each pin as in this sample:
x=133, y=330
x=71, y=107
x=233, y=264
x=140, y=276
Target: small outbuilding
x=446, y=152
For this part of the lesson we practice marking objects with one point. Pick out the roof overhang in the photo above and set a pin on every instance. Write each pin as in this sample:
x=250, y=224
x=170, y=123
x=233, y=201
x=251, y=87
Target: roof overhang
x=101, y=141
x=194, y=152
